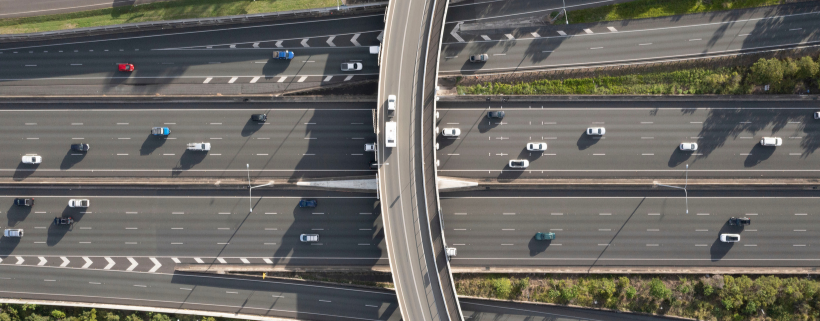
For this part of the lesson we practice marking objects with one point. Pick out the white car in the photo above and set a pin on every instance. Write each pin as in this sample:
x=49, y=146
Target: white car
x=13, y=233
x=351, y=66
x=596, y=131
x=537, y=147
x=817, y=115
x=370, y=147
x=199, y=147
x=519, y=163
x=75, y=202
x=32, y=159
x=730, y=238
x=451, y=132
x=771, y=141
x=688, y=146
x=391, y=102
x=309, y=237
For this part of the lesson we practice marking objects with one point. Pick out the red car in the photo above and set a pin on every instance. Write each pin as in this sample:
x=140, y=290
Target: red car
x=125, y=67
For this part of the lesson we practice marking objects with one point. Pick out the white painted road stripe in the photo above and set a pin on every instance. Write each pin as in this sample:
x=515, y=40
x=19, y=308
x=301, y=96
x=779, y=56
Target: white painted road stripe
x=65, y=261
x=110, y=263
x=353, y=40
x=133, y=264
x=304, y=42
x=88, y=262
x=588, y=31
x=233, y=79
x=282, y=79
x=255, y=79
x=328, y=78
x=330, y=41
x=612, y=29
x=207, y=80
x=535, y=34
x=156, y=265
x=485, y=37
x=302, y=79
x=348, y=77
x=562, y=33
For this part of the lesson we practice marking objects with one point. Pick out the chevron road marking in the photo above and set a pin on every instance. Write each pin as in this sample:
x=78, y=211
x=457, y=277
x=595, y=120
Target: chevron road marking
x=485, y=37
x=279, y=44
x=282, y=79
x=254, y=80
x=43, y=261
x=256, y=45
x=133, y=264
x=612, y=29
x=268, y=261
x=1, y=260
x=198, y=260
x=20, y=260
x=560, y=32
x=330, y=41
x=88, y=262
x=535, y=34
x=455, y=35
x=353, y=40
x=156, y=265
x=302, y=79
x=233, y=79
x=588, y=31
x=244, y=260
x=328, y=78
x=348, y=78
x=110, y=263
x=304, y=42
x=510, y=37
x=221, y=260
x=176, y=260
x=65, y=261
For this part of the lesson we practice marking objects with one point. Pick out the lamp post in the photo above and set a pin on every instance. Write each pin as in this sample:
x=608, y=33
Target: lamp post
x=250, y=188
x=686, y=193
x=565, y=11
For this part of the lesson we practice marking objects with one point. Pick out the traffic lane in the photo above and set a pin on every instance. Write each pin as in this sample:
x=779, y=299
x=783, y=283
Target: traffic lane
x=197, y=226
x=231, y=34
x=642, y=140
x=97, y=67
x=234, y=295
x=631, y=231
x=251, y=106
x=291, y=140
x=604, y=46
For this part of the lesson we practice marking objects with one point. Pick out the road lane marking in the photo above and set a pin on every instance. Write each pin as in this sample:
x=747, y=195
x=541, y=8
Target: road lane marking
x=535, y=34
x=353, y=40
x=612, y=29
x=282, y=79
x=328, y=78
x=348, y=77
x=509, y=36
x=588, y=31
x=696, y=39
x=330, y=41
x=302, y=79
x=561, y=32
x=255, y=79
x=233, y=79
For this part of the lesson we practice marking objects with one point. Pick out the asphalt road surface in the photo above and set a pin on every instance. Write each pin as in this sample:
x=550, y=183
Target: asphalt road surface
x=639, y=141
x=631, y=231
x=293, y=143
x=623, y=42
x=138, y=231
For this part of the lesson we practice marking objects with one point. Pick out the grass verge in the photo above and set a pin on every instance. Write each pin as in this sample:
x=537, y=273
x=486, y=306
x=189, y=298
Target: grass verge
x=661, y=8
x=33, y=312
x=716, y=297
x=784, y=76
x=157, y=11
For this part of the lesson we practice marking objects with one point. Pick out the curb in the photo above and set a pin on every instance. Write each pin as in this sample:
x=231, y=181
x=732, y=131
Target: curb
x=227, y=268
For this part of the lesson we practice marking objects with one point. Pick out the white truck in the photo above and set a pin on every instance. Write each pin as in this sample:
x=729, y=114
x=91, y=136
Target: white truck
x=199, y=147
x=13, y=233
x=390, y=134
x=374, y=50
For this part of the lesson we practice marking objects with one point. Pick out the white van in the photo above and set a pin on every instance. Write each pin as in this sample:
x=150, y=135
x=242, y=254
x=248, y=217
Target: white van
x=391, y=102
x=374, y=50
x=390, y=134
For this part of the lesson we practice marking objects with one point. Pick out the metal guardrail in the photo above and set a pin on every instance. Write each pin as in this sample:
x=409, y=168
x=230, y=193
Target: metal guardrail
x=195, y=22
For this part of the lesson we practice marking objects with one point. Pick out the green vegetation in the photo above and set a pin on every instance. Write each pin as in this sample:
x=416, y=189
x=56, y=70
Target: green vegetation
x=179, y=9
x=784, y=77
x=660, y=8
x=32, y=312
x=717, y=297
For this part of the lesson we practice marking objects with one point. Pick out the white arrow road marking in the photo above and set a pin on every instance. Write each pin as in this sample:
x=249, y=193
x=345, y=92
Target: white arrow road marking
x=279, y=44
x=20, y=260
x=328, y=78
x=455, y=35
x=256, y=45
x=304, y=42
x=485, y=37
x=133, y=264
x=282, y=79
x=535, y=34
x=560, y=32
x=330, y=41
x=348, y=77
x=254, y=80
x=268, y=261
x=65, y=261
x=353, y=40
x=176, y=260
x=156, y=265
x=198, y=260
x=43, y=261
x=302, y=79
x=110, y=263
x=87, y=262
x=244, y=260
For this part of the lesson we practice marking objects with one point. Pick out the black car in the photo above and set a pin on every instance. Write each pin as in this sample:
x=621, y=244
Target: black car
x=63, y=220
x=495, y=114
x=743, y=221
x=24, y=201
x=80, y=147
x=259, y=117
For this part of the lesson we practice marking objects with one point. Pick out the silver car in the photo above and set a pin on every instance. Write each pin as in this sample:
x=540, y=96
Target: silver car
x=32, y=159
x=688, y=147
x=596, y=131
x=451, y=132
x=309, y=237
x=351, y=66
x=536, y=147
x=771, y=141
x=730, y=238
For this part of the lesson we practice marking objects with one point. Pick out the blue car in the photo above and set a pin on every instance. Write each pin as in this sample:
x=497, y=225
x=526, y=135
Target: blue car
x=160, y=131
x=283, y=55
x=308, y=203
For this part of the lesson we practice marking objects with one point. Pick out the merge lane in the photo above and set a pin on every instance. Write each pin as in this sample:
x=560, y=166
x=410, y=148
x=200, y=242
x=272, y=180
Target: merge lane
x=631, y=231
x=292, y=143
x=638, y=142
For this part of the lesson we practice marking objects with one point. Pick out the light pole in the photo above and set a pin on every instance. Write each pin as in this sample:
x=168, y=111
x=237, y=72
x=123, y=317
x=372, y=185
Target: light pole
x=250, y=188
x=686, y=193
x=565, y=11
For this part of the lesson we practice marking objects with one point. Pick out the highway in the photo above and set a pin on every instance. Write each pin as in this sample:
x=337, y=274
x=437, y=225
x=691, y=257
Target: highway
x=622, y=42
x=294, y=143
x=595, y=231
x=640, y=141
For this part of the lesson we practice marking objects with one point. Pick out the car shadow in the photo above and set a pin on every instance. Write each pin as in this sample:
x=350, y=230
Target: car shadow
x=758, y=154
x=7, y=245
x=720, y=249
x=586, y=141
x=678, y=157
x=24, y=170
x=151, y=143
x=188, y=160
x=17, y=214
x=444, y=141
x=509, y=174
x=251, y=127
x=71, y=158
x=537, y=247
x=57, y=232
x=487, y=123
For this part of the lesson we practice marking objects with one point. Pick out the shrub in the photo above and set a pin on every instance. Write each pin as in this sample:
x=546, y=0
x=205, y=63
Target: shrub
x=57, y=314
x=111, y=317
x=631, y=292
x=502, y=287
x=767, y=71
x=658, y=290
x=708, y=290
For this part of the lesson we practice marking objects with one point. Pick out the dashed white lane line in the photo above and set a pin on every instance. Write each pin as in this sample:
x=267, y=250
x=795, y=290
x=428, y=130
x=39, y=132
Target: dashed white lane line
x=255, y=79
x=588, y=31
x=795, y=29
x=348, y=77
x=282, y=79
x=328, y=78
x=233, y=79
x=76, y=64
x=510, y=37
x=596, y=48
x=535, y=34
x=561, y=32
x=612, y=29
x=644, y=44
x=485, y=37
x=696, y=39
